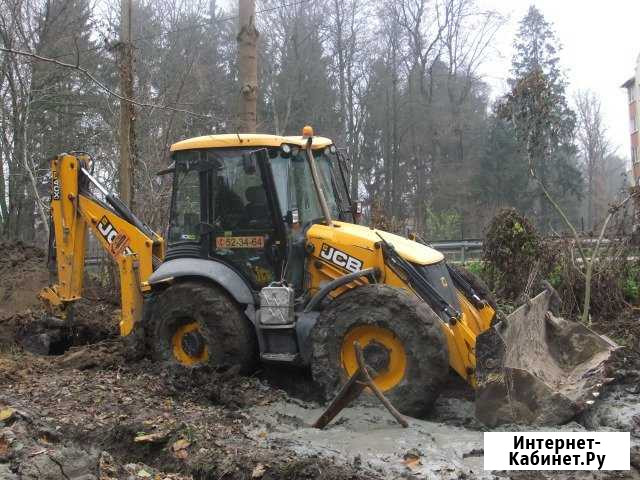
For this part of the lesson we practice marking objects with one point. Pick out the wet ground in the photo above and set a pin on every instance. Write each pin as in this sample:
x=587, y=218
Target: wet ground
x=92, y=412
x=368, y=436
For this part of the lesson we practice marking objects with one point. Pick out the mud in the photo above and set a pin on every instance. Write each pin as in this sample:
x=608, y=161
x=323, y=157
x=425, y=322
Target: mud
x=139, y=417
x=94, y=412
x=369, y=437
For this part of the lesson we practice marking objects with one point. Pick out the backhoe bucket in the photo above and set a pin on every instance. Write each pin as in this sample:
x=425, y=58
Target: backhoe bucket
x=538, y=369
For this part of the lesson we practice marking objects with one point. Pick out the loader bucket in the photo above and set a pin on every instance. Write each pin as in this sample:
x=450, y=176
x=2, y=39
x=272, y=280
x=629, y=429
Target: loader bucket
x=538, y=369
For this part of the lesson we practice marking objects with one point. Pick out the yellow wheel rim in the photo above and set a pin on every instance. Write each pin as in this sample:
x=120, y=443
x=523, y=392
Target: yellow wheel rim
x=179, y=352
x=366, y=334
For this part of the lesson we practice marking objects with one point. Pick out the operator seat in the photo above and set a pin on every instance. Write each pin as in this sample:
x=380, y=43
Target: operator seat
x=229, y=207
x=257, y=210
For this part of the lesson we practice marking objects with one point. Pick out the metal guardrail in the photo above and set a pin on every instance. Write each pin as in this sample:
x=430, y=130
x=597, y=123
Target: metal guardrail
x=461, y=247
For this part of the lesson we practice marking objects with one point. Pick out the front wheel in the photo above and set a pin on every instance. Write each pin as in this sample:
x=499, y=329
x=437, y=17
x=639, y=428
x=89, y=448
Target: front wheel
x=401, y=338
x=196, y=323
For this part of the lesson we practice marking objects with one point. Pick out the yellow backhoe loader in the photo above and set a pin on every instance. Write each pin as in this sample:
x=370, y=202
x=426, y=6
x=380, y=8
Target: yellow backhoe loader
x=264, y=260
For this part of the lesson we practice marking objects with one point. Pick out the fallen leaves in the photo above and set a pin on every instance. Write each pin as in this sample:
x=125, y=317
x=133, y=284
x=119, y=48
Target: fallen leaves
x=179, y=448
x=157, y=437
x=4, y=447
x=259, y=470
x=411, y=460
x=180, y=444
x=6, y=414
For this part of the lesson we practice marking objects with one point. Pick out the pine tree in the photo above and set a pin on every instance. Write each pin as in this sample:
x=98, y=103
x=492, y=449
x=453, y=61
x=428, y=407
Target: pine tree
x=501, y=180
x=537, y=108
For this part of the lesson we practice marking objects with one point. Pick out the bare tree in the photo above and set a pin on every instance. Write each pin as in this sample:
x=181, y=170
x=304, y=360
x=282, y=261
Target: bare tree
x=594, y=150
x=247, y=65
x=127, y=134
x=349, y=43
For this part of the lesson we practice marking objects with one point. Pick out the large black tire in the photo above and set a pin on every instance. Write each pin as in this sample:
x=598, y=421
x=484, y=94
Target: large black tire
x=477, y=284
x=228, y=334
x=413, y=324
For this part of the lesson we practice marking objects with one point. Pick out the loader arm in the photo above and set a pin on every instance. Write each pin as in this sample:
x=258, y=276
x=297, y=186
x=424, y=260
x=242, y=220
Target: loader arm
x=130, y=243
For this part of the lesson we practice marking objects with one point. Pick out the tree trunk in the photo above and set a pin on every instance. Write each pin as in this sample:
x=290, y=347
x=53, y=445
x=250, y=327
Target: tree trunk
x=247, y=66
x=127, y=110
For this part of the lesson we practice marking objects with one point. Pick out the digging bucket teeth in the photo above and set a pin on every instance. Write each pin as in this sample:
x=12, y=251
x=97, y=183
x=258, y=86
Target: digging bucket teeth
x=538, y=369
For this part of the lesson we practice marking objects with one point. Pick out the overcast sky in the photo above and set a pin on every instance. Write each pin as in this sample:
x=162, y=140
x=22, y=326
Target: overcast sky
x=601, y=41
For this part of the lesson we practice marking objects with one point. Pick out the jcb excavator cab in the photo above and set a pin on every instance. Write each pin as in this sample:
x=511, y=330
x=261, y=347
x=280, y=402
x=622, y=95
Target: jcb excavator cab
x=248, y=206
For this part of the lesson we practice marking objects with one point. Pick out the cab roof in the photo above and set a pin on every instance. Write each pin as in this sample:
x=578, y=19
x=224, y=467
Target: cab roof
x=231, y=140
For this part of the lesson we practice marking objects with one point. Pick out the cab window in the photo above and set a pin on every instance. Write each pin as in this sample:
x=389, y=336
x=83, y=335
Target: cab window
x=185, y=209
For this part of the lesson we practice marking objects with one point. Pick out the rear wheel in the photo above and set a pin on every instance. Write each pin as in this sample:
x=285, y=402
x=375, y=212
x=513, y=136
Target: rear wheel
x=401, y=338
x=198, y=324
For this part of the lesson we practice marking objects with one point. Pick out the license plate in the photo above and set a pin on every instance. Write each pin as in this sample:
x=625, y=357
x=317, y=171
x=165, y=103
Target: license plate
x=240, y=242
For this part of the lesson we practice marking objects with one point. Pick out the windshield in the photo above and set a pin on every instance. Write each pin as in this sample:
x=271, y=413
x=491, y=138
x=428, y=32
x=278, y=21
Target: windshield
x=235, y=197
x=294, y=183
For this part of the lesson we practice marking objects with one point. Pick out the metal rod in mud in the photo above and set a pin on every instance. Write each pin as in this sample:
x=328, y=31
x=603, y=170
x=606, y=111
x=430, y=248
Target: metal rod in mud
x=349, y=392
x=352, y=390
x=378, y=393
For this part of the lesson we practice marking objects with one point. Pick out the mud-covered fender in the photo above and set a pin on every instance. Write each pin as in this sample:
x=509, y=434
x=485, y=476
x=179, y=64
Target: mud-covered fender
x=305, y=322
x=217, y=272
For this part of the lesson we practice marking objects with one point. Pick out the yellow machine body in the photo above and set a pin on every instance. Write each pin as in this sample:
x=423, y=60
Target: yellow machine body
x=74, y=213
x=133, y=250
x=363, y=244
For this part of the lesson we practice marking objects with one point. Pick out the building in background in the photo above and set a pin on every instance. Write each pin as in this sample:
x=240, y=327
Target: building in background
x=633, y=93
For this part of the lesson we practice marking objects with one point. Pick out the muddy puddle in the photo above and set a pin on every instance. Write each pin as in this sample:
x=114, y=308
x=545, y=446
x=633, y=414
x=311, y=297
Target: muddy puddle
x=369, y=437
x=439, y=448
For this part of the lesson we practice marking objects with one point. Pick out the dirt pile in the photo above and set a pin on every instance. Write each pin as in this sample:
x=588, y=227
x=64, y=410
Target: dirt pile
x=23, y=272
x=23, y=320
x=31, y=450
x=37, y=331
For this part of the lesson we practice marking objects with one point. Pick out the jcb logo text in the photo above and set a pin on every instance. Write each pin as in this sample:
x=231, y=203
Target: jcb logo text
x=117, y=243
x=340, y=258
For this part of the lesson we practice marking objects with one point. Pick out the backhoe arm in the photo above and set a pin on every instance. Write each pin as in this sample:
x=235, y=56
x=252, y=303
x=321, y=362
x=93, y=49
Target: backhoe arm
x=132, y=245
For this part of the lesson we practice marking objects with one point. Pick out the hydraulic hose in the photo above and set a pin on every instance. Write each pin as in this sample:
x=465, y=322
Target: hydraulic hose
x=371, y=273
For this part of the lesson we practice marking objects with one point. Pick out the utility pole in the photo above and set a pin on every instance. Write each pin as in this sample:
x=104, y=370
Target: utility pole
x=127, y=110
x=247, y=65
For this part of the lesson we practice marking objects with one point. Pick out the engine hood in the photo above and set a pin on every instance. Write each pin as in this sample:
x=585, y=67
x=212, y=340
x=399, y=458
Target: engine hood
x=365, y=237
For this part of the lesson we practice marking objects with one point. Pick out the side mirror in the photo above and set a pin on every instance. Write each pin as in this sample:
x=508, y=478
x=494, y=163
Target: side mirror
x=357, y=211
x=293, y=217
x=170, y=169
